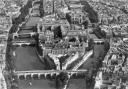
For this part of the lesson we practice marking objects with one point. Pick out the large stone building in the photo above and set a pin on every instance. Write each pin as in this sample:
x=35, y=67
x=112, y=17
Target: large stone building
x=49, y=30
x=78, y=17
x=50, y=23
x=5, y=22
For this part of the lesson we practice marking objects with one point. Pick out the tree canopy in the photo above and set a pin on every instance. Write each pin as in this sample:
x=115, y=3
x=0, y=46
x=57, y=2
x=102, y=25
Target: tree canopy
x=93, y=15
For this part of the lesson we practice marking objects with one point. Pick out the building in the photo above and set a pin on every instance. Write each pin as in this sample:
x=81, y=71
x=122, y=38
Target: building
x=51, y=24
x=2, y=4
x=78, y=17
x=58, y=36
x=64, y=50
x=13, y=10
x=58, y=4
x=48, y=6
x=35, y=12
x=5, y=22
x=51, y=6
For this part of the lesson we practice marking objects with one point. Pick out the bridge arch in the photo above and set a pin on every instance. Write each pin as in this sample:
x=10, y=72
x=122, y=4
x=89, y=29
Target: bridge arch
x=22, y=77
x=35, y=76
x=28, y=76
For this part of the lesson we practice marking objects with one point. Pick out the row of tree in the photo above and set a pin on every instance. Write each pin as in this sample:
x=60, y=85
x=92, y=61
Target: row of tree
x=24, y=12
x=93, y=15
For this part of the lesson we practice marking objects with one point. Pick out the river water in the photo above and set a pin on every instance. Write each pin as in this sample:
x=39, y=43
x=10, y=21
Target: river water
x=27, y=59
x=50, y=84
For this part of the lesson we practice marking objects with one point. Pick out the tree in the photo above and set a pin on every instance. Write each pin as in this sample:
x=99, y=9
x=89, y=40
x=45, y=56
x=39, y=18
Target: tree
x=85, y=23
x=48, y=62
x=98, y=32
x=91, y=43
x=68, y=17
x=57, y=32
x=106, y=46
x=103, y=33
x=41, y=9
x=93, y=15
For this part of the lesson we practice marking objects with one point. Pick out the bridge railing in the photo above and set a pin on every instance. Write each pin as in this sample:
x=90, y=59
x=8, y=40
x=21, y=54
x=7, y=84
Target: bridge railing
x=49, y=71
x=46, y=73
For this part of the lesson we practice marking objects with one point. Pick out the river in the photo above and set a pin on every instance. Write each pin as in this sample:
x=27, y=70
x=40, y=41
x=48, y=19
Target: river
x=26, y=58
x=50, y=84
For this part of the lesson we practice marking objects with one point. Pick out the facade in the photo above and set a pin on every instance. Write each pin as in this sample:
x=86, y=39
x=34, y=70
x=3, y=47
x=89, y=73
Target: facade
x=47, y=28
x=48, y=6
x=5, y=22
x=51, y=23
x=51, y=6
x=78, y=17
x=64, y=50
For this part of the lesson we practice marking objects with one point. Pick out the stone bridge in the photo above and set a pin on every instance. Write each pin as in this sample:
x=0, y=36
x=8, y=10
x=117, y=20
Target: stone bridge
x=99, y=41
x=21, y=42
x=45, y=73
x=16, y=35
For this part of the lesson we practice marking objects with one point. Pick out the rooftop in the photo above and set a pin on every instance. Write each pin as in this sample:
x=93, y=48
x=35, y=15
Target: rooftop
x=32, y=21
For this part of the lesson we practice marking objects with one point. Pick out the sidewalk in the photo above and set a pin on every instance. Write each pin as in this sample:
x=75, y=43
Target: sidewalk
x=2, y=81
x=2, y=67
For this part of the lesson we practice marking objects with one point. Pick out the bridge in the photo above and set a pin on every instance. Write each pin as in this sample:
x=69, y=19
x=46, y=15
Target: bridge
x=30, y=34
x=46, y=73
x=20, y=42
x=98, y=41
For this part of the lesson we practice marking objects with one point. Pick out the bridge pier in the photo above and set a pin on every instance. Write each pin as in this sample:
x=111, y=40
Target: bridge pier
x=51, y=74
x=25, y=76
x=32, y=76
x=39, y=76
x=18, y=77
x=45, y=75
x=20, y=45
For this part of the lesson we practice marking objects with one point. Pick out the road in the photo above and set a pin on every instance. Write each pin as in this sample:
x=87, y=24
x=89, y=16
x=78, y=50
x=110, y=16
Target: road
x=85, y=57
x=70, y=60
x=3, y=84
x=2, y=81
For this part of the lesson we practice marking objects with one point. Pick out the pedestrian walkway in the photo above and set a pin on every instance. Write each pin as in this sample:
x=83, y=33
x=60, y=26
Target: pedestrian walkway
x=85, y=58
x=2, y=67
x=2, y=81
